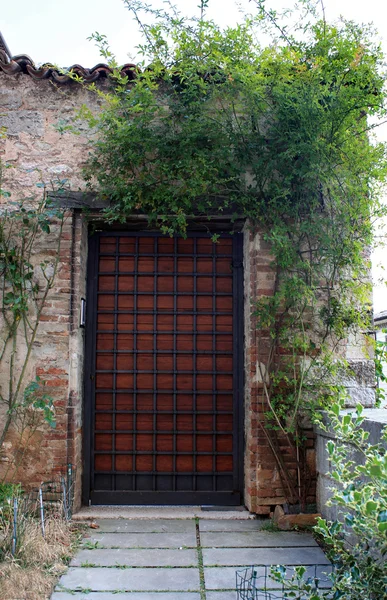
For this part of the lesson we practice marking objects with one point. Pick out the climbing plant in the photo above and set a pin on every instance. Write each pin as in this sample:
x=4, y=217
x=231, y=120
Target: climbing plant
x=25, y=285
x=216, y=122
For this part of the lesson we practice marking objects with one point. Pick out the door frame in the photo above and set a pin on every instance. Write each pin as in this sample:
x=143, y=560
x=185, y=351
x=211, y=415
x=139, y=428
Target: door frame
x=89, y=374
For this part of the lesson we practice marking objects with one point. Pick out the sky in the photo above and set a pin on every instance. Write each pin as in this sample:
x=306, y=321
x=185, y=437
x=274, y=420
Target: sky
x=56, y=31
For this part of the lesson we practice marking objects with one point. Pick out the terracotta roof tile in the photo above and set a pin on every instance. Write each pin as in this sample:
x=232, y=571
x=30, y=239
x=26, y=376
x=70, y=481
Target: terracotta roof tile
x=23, y=64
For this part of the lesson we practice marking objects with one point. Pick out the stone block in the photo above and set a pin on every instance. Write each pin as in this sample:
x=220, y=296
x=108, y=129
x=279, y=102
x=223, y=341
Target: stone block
x=10, y=100
x=144, y=540
x=360, y=372
x=256, y=539
x=232, y=525
x=149, y=557
x=262, y=510
x=134, y=580
x=294, y=521
x=23, y=121
x=264, y=556
x=361, y=395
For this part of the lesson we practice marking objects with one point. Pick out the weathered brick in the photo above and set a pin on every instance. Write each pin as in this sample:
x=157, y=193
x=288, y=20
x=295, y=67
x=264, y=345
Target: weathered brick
x=58, y=349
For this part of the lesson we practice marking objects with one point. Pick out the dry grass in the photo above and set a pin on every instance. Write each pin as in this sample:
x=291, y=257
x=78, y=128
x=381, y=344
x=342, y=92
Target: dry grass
x=32, y=574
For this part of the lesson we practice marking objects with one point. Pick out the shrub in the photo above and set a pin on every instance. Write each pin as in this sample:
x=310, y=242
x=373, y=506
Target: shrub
x=357, y=546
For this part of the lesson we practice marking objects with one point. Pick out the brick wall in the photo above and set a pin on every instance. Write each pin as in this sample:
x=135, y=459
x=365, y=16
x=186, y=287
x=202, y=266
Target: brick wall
x=263, y=485
x=30, y=110
x=36, y=152
x=57, y=358
x=263, y=488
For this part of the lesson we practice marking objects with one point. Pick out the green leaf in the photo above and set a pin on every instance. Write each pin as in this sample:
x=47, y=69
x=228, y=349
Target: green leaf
x=336, y=409
x=371, y=507
x=375, y=471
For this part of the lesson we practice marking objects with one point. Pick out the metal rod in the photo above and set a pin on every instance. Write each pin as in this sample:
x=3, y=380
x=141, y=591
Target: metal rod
x=64, y=491
x=14, y=533
x=41, y=511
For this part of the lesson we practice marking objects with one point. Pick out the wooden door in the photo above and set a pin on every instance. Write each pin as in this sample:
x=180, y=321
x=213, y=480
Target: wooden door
x=164, y=370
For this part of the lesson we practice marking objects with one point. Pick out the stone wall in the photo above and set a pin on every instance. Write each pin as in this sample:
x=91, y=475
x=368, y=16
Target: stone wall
x=36, y=152
x=30, y=110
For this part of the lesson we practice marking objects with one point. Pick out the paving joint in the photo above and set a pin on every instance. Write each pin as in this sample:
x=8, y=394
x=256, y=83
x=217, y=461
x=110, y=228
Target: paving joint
x=131, y=559
x=200, y=562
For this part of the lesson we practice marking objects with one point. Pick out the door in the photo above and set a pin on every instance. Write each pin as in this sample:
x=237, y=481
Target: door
x=163, y=394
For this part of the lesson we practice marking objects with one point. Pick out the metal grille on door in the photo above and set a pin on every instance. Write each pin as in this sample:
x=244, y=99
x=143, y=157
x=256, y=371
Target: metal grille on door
x=165, y=369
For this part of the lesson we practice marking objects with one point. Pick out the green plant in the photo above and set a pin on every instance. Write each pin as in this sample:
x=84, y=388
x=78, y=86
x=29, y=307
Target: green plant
x=380, y=368
x=357, y=545
x=89, y=545
x=25, y=288
x=270, y=526
x=7, y=491
x=215, y=123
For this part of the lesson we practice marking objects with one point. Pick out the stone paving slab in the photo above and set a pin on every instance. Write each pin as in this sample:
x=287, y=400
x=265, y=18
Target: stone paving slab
x=217, y=596
x=133, y=557
x=136, y=580
x=145, y=526
x=224, y=578
x=234, y=525
x=143, y=540
x=263, y=556
x=127, y=595
x=158, y=558
x=232, y=596
x=320, y=571
x=259, y=539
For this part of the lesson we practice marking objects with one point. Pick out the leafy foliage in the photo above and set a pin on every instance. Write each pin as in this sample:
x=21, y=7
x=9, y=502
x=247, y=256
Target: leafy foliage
x=380, y=367
x=216, y=123
x=25, y=287
x=357, y=546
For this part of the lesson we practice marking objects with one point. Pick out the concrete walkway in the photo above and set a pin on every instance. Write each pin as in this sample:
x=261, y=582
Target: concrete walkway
x=171, y=559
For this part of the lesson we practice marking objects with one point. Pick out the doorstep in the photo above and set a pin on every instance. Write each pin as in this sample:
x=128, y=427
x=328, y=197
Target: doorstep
x=90, y=513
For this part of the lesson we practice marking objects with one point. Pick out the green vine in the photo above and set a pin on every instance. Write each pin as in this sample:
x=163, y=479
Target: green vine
x=217, y=124
x=25, y=288
x=380, y=368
